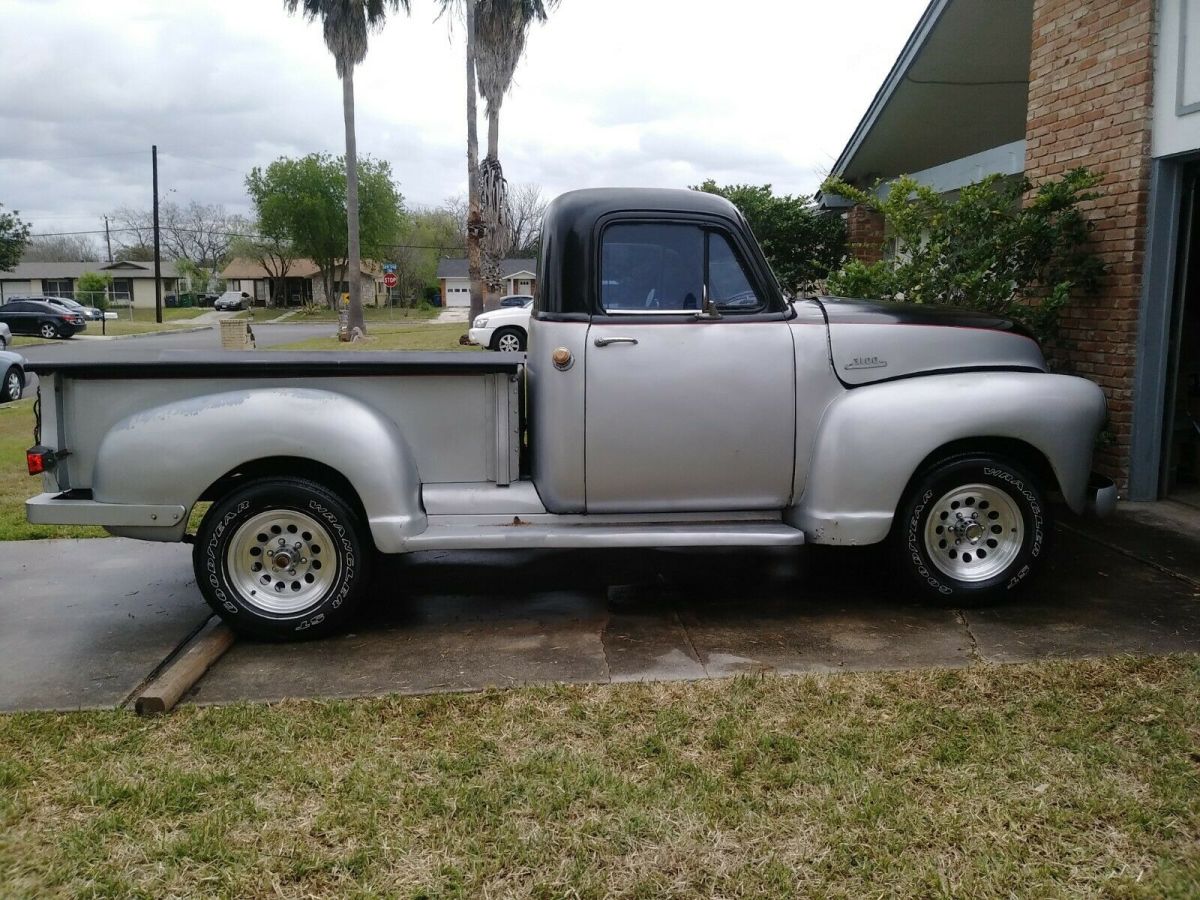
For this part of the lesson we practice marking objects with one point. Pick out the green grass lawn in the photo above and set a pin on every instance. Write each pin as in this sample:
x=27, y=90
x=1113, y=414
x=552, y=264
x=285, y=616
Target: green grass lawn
x=417, y=336
x=370, y=313
x=264, y=313
x=1062, y=779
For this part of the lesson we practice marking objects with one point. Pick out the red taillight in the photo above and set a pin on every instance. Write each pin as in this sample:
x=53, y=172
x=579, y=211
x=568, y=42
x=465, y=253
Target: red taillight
x=39, y=459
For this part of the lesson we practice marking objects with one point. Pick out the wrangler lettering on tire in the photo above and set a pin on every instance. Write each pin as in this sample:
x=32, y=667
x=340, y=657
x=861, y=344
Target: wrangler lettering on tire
x=974, y=528
x=282, y=558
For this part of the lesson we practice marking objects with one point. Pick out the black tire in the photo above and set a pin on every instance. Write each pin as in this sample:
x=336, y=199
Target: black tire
x=336, y=597
x=49, y=330
x=511, y=332
x=13, y=385
x=971, y=529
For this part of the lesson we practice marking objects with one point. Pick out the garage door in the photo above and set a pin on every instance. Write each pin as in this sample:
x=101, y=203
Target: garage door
x=458, y=296
x=17, y=289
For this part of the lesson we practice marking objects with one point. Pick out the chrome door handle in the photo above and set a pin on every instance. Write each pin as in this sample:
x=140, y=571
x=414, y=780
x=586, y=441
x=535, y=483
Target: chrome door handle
x=604, y=342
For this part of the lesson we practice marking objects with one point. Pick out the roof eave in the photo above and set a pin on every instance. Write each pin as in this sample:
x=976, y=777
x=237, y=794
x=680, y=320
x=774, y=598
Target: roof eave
x=912, y=49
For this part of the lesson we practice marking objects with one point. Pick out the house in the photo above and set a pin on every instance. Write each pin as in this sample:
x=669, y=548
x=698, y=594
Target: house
x=303, y=283
x=1036, y=88
x=133, y=282
x=520, y=276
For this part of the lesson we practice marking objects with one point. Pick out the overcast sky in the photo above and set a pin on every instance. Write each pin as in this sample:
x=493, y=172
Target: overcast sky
x=611, y=92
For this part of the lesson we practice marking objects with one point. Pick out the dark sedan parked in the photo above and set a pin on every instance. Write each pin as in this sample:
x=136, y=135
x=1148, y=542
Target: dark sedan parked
x=41, y=318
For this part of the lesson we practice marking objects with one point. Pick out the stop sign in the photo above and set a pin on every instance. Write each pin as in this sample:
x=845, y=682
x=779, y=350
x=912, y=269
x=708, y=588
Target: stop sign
x=390, y=280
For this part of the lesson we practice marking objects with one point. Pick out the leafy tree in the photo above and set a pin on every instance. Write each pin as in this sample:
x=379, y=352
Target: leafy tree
x=983, y=249
x=94, y=289
x=799, y=242
x=425, y=236
x=14, y=235
x=346, y=25
x=303, y=202
x=61, y=248
x=274, y=252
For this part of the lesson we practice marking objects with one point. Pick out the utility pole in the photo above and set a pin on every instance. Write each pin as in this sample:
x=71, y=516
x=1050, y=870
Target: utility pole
x=157, y=246
x=108, y=239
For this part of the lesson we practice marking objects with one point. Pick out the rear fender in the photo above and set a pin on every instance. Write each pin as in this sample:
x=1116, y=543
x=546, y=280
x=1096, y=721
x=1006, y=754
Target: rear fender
x=872, y=440
x=172, y=453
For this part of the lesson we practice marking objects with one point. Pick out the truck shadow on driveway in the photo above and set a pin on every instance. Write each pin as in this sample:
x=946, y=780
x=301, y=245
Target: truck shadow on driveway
x=469, y=620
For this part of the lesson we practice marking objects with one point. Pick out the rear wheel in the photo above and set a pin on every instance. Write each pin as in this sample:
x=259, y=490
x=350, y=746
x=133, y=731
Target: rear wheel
x=48, y=330
x=12, y=386
x=509, y=340
x=283, y=559
x=972, y=529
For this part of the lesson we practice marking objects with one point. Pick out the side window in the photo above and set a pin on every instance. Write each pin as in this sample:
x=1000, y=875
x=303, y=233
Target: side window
x=728, y=285
x=649, y=268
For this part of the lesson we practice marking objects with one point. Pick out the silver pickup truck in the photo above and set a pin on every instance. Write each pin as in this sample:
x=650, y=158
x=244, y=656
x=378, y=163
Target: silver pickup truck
x=671, y=396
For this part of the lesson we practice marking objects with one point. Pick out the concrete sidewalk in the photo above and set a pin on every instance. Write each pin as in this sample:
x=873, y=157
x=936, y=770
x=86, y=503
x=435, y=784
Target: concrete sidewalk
x=83, y=623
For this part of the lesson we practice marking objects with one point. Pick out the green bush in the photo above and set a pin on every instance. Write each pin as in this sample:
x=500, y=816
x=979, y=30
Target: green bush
x=983, y=249
x=92, y=289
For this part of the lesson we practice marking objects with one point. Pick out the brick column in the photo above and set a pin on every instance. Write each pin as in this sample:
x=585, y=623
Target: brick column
x=864, y=234
x=1090, y=96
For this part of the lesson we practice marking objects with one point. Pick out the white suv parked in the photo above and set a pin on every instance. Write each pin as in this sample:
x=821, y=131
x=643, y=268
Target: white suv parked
x=505, y=329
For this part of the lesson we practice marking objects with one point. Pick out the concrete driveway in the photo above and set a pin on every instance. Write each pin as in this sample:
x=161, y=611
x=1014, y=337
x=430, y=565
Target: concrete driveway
x=84, y=623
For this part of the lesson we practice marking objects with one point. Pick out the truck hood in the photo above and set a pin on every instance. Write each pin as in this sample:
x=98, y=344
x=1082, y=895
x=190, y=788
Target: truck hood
x=873, y=341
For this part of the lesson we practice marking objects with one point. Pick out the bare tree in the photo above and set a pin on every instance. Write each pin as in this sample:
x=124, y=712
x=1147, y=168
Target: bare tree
x=61, y=248
x=528, y=208
x=275, y=254
x=198, y=232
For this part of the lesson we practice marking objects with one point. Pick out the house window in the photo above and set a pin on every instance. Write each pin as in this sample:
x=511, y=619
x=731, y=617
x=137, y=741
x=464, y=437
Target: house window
x=56, y=287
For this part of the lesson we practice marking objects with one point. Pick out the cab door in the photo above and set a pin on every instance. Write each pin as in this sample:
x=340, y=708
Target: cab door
x=690, y=376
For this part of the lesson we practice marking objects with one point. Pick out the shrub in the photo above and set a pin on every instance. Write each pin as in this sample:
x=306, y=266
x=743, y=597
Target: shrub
x=983, y=249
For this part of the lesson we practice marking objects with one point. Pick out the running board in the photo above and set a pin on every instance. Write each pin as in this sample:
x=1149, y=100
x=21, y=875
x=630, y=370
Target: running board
x=525, y=536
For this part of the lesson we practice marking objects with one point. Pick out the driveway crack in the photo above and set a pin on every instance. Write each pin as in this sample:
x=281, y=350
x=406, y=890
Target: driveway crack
x=687, y=636
x=604, y=647
x=961, y=618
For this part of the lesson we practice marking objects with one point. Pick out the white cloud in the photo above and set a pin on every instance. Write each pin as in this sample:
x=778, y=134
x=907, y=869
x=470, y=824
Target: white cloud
x=638, y=92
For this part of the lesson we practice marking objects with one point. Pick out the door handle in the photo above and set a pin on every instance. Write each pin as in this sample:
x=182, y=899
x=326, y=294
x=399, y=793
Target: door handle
x=604, y=342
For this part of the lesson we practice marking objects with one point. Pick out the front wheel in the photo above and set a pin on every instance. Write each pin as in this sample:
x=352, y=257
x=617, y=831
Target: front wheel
x=283, y=559
x=972, y=528
x=509, y=340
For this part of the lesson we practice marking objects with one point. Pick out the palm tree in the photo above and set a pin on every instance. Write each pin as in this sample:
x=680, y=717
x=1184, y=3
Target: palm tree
x=501, y=27
x=347, y=25
x=496, y=32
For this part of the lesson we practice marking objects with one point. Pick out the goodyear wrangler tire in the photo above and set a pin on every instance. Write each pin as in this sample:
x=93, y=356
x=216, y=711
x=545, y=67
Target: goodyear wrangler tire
x=972, y=529
x=283, y=559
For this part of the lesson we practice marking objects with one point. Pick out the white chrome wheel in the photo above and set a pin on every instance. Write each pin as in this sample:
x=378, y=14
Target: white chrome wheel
x=282, y=561
x=48, y=331
x=974, y=532
x=12, y=385
x=508, y=343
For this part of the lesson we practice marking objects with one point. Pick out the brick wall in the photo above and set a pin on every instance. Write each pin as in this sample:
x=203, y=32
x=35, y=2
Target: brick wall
x=864, y=234
x=1089, y=105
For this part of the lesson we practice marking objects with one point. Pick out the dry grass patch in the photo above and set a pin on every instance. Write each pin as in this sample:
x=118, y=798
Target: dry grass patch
x=1046, y=780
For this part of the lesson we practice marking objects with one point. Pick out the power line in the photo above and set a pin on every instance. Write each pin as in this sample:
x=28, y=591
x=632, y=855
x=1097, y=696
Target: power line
x=241, y=234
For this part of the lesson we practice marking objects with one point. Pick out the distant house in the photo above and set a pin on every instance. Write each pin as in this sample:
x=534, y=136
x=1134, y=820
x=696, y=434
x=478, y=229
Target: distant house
x=133, y=282
x=302, y=285
x=520, y=275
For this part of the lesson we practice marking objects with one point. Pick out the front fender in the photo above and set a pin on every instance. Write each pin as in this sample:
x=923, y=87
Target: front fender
x=171, y=453
x=872, y=439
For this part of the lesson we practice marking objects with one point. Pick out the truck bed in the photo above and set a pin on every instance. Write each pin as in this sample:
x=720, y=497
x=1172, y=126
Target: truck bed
x=280, y=364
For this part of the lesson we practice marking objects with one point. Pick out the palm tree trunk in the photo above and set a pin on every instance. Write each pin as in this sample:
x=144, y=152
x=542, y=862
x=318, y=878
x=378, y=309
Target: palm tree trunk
x=354, y=261
x=474, y=215
x=494, y=131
